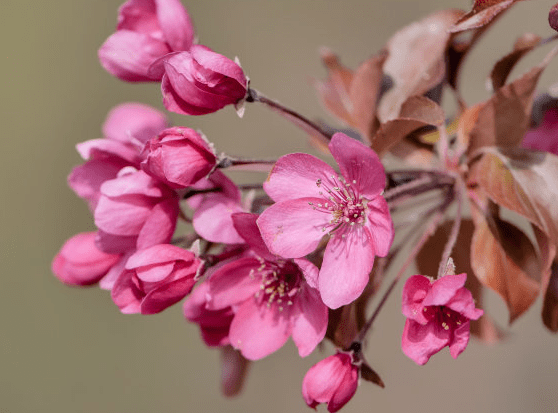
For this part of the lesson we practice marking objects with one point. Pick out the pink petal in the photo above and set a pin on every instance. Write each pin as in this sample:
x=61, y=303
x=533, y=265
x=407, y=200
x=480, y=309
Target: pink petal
x=108, y=149
x=414, y=291
x=126, y=295
x=139, y=16
x=159, y=225
x=444, y=288
x=345, y=391
x=420, y=342
x=108, y=281
x=174, y=102
x=245, y=225
x=464, y=303
x=130, y=122
x=213, y=220
x=232, y=284
x=380, y=226
x=258, y=331
x=346, y=268
x=175, y=23
x=460, y=339
x=121, y=218
x=128, y=55
x=296, y=175
x=310, y=320
x=218, y=63
x=309, y=270
x=159, y=254
x=358, y=164
x=115, y=244
x=168, y=294
x=133, y=183
x=292, y=228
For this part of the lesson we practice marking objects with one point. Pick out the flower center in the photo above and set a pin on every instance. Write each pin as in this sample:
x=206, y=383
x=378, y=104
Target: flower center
x=446, y=317
x=280, y=283
x=342, y=201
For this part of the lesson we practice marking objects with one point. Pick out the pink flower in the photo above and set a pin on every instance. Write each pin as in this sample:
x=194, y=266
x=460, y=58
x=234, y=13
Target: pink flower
x=201, y=81
x=155, y=278
x=273, y=298
x=178, y=157
x=135, y=211
x=333, y=380
x=312, y=200
x=545, y=136
x=126, y=129
x=438, y=315
x=80, y=262
x=214, y=324
x=147, y=30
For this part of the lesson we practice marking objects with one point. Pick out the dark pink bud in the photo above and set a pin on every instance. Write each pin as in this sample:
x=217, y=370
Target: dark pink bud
x=553, y=17
x=333, y=381
x=80, y=262
x=179, y=157
x=155, y=278
x=147, y=30
x=201, y=81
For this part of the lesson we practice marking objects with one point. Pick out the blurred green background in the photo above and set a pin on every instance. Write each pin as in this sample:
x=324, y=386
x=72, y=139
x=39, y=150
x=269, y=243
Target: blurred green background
x=65, y=349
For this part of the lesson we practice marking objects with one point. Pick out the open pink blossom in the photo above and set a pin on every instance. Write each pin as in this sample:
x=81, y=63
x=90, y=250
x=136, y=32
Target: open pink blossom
x=179, y=157
x=80, y=262
x=127, y=127
x=273, y=298
x=135, y=211
x=214, y=324
x=155, y=278
x=201, y=81
x=545, y=136
x=438, y=315
x=333, y=380
x=147, y=30
x=312, y=200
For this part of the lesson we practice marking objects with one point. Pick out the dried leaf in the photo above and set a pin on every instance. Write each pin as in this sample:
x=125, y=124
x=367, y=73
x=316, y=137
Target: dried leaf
x=368, y=374
x=352, y=96
x=466, y=125
x=482, y=13
x=505, y=117
x=427, y=263
x=550, y=304
x=504, y=66
x=416, y=112
x=416, y=60
x=234, y=368
x=504, y=260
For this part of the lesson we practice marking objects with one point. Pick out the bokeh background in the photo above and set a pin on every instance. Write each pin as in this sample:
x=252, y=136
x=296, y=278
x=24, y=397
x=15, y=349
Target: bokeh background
x=65, y=349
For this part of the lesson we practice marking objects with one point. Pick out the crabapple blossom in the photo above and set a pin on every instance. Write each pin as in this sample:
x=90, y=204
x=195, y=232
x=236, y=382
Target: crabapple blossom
x=438, y=315
x=146, y=31
x=333, y=380
x=201, y=81
x=312, y=200
x=179, y=157
x=80, y=262
x=274, y=298
x=155, y=278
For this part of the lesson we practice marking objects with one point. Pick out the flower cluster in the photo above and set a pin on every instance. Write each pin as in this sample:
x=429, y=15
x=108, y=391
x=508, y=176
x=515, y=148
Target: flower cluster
x=301, y=254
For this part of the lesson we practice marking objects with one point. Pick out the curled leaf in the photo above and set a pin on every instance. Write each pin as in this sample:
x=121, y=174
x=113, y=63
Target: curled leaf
x=368, y=374
x=550, y=304
x=482, y=13
x=234, y=368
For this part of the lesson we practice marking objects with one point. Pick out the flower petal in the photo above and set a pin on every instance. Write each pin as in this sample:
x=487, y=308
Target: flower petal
x=213, y=219
x=420, y=342
x=310, y=321
x=166, y=295
x=134, y=121
x=232, y=284
x=245, y=224
x=175, y=23
x=460, y=339
x=444, y=288
x=380, y=225
x=414, y=291
x=159, y=225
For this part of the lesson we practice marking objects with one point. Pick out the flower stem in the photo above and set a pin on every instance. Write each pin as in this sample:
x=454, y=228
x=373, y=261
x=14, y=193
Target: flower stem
x=295, y=117
x=454, y=230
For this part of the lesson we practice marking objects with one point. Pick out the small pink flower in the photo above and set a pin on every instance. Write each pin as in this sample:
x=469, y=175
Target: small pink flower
x=80, y=262
x=333, y=380
x=273, y=298
x=126, y=129
x=147, y=30
x=155, y=278
x=438, y=315
x=201, y=81
x=312, y=200
x=214, y=324
x=179, y=157
x=135, y=211
x=545, y=136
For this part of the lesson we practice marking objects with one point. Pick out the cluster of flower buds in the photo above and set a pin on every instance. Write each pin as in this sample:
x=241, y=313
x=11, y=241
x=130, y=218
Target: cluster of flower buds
x=297, y=255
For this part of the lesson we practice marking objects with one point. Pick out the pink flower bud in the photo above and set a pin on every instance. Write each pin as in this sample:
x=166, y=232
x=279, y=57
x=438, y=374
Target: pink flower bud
x=179, y=157
x=545, y=136
x=333, y=381
x=147, y=30
x=201, y=81
x=80, y=262
x=155, y=278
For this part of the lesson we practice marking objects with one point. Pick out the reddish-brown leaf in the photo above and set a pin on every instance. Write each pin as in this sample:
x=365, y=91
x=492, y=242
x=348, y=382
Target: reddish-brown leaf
x=553, y=17
x=427, y=263
x=550, y=304
x=416, y=112
x=234, y=368
x=368, y=374
x=504, y=66
x=504, y=260
x=466, y=125
x=505, y=117
x=482, y=13
x=416, y=60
